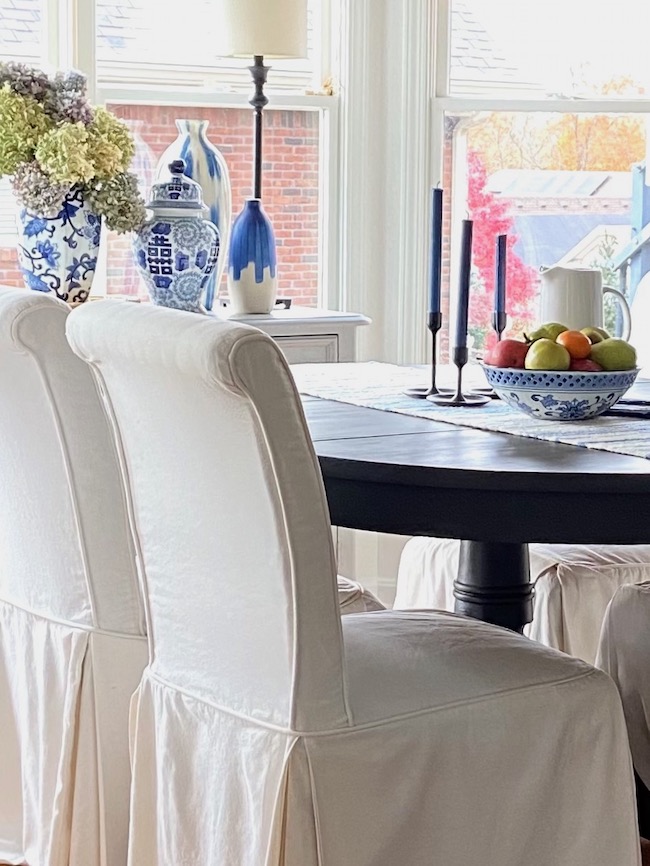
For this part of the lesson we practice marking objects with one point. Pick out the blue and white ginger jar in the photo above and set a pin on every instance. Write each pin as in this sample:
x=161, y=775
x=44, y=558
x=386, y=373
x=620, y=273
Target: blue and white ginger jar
x=252, y=265
x=205, y=164
x=177, y=248
x=59, y=254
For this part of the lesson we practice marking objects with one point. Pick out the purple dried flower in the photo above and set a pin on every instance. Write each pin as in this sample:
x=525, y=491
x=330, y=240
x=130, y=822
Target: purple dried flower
x=25, y=80
x=67, y=98
x=36, y=191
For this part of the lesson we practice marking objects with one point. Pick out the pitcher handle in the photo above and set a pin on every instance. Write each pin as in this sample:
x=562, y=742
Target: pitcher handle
x=625, y=309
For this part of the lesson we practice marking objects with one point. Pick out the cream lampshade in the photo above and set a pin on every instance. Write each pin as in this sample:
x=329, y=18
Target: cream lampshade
x=269, y=28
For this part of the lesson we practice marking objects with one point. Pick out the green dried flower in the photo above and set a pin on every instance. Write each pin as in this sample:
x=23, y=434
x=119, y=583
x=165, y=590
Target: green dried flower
x=22, y=123
x=111, y=144
x=64, y=154
x=119, y=201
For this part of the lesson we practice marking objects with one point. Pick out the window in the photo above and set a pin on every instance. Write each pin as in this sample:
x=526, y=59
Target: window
x=21, y=27
x=544, y=119
x=150, y=78
x=135, y=42
x=291, y=184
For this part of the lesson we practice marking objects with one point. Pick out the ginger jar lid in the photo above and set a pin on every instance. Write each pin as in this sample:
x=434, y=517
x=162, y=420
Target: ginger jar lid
x=177, y=192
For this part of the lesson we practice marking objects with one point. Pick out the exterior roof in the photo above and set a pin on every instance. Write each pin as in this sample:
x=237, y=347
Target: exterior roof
x=544, y=183
x=477, y=60
x=20, y=25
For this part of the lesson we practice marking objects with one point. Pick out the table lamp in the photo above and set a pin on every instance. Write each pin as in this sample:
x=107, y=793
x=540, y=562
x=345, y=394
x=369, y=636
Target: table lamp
x=258, y=29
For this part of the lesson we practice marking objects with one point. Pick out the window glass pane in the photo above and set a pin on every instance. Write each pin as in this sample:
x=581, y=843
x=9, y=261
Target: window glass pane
x=576, y=48
x=21, y=29
x=290, y=184
x=567, y=189
x=138, y=33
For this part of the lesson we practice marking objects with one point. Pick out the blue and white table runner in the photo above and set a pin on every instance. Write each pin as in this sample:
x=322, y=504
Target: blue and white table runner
x=376, y=385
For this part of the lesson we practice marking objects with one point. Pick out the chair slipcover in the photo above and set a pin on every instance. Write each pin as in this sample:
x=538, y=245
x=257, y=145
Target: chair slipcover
x=624, y=652
x=270, y=731
x=72, y=645
x=573, y=586
x=355, y=598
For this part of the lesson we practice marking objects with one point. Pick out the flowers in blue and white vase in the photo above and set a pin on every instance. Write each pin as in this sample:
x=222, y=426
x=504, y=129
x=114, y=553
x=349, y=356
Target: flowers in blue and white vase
x=68, y=162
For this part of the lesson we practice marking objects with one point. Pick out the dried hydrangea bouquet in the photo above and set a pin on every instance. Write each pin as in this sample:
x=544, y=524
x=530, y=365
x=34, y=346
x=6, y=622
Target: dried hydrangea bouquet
x=68, y=163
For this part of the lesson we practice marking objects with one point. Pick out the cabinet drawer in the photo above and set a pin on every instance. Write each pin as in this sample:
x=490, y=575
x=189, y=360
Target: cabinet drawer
x=314, y=349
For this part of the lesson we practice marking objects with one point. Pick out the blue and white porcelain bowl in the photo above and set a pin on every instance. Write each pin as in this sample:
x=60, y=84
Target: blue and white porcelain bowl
x=556, y=395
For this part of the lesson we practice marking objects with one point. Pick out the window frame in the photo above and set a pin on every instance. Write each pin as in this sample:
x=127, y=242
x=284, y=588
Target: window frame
x=443, y=104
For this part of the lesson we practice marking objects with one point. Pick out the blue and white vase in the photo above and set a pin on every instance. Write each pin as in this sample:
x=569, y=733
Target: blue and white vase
x=177, y=248
x=206, y=165
x=252, y=280
x=59, y=254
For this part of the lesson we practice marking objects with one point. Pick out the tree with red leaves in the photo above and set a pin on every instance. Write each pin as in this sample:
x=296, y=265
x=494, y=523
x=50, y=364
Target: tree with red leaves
x=491, y=218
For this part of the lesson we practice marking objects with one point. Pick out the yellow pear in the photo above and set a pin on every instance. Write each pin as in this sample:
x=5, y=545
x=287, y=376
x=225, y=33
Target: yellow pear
x=614, y=354
x=548, y=331
x=595, y=335
x=547, y=355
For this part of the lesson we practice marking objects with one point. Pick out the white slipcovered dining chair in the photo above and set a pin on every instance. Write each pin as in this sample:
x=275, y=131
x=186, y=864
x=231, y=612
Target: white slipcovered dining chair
x=270, y=731
x=624, y=652
x=72, y=629
x=574, y=583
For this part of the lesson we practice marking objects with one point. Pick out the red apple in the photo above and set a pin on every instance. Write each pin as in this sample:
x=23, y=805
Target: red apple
x=508, y=353
x=584, y=365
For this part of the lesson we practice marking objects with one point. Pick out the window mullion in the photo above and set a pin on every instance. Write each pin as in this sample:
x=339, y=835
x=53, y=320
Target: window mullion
x=71, y=37
x=441, y=20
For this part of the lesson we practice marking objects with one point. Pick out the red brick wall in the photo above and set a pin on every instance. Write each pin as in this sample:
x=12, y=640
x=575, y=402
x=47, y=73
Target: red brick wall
x=9, y=273
x=290, y=187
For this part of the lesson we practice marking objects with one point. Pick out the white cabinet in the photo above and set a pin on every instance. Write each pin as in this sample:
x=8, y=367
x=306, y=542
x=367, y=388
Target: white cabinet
x=308, y=335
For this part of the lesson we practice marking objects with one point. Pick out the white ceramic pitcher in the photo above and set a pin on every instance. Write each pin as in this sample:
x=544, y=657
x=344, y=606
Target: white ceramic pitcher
x=574, y=297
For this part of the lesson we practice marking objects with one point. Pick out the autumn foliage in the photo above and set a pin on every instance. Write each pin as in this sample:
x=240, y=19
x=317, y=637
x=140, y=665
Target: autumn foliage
x=490, y=216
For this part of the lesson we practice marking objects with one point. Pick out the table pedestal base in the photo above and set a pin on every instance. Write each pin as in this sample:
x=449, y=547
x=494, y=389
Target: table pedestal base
x=493, y=583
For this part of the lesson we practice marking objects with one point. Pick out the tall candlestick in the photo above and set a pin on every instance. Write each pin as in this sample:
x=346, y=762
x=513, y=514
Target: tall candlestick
x=435, y=250
x=462, y=310
x=500, y=281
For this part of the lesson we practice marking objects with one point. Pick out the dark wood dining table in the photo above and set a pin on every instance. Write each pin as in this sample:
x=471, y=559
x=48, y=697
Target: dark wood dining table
x=387, y=472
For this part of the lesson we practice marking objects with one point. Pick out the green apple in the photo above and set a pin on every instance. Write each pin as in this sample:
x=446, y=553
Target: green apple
x=595, y=335
x=548, y=331
x=614, y=354
x=547, y=355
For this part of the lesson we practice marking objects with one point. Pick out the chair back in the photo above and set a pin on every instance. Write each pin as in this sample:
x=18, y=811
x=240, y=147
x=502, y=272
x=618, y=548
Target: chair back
x=65, y=546
x=229, y=511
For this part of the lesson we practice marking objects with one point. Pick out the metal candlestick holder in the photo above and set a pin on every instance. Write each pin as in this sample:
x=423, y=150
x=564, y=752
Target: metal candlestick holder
x=458, y=398
x=499, y=323
x=434, y=324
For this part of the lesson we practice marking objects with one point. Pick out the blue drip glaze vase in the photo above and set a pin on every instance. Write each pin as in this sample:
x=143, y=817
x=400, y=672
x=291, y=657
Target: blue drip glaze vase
x=205, y=164
x=177, y=248
x=59, y=254
x=252, y=268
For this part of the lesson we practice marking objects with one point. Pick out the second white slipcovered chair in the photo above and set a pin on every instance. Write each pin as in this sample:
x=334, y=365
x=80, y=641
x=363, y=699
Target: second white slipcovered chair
x=574, y=583
x=624, y=652
x=270, y=731
x=72, y=644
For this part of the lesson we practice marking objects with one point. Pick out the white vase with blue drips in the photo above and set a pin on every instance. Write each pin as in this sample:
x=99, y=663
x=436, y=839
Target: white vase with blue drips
x=252, y=266
x=206, y=165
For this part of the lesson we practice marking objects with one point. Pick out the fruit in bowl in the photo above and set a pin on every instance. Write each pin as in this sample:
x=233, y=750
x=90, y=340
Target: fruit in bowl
x=572, y=376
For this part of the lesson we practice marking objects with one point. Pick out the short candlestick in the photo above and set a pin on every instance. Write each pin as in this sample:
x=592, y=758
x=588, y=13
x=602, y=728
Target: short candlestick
x=434, y=323
x=458, y=398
